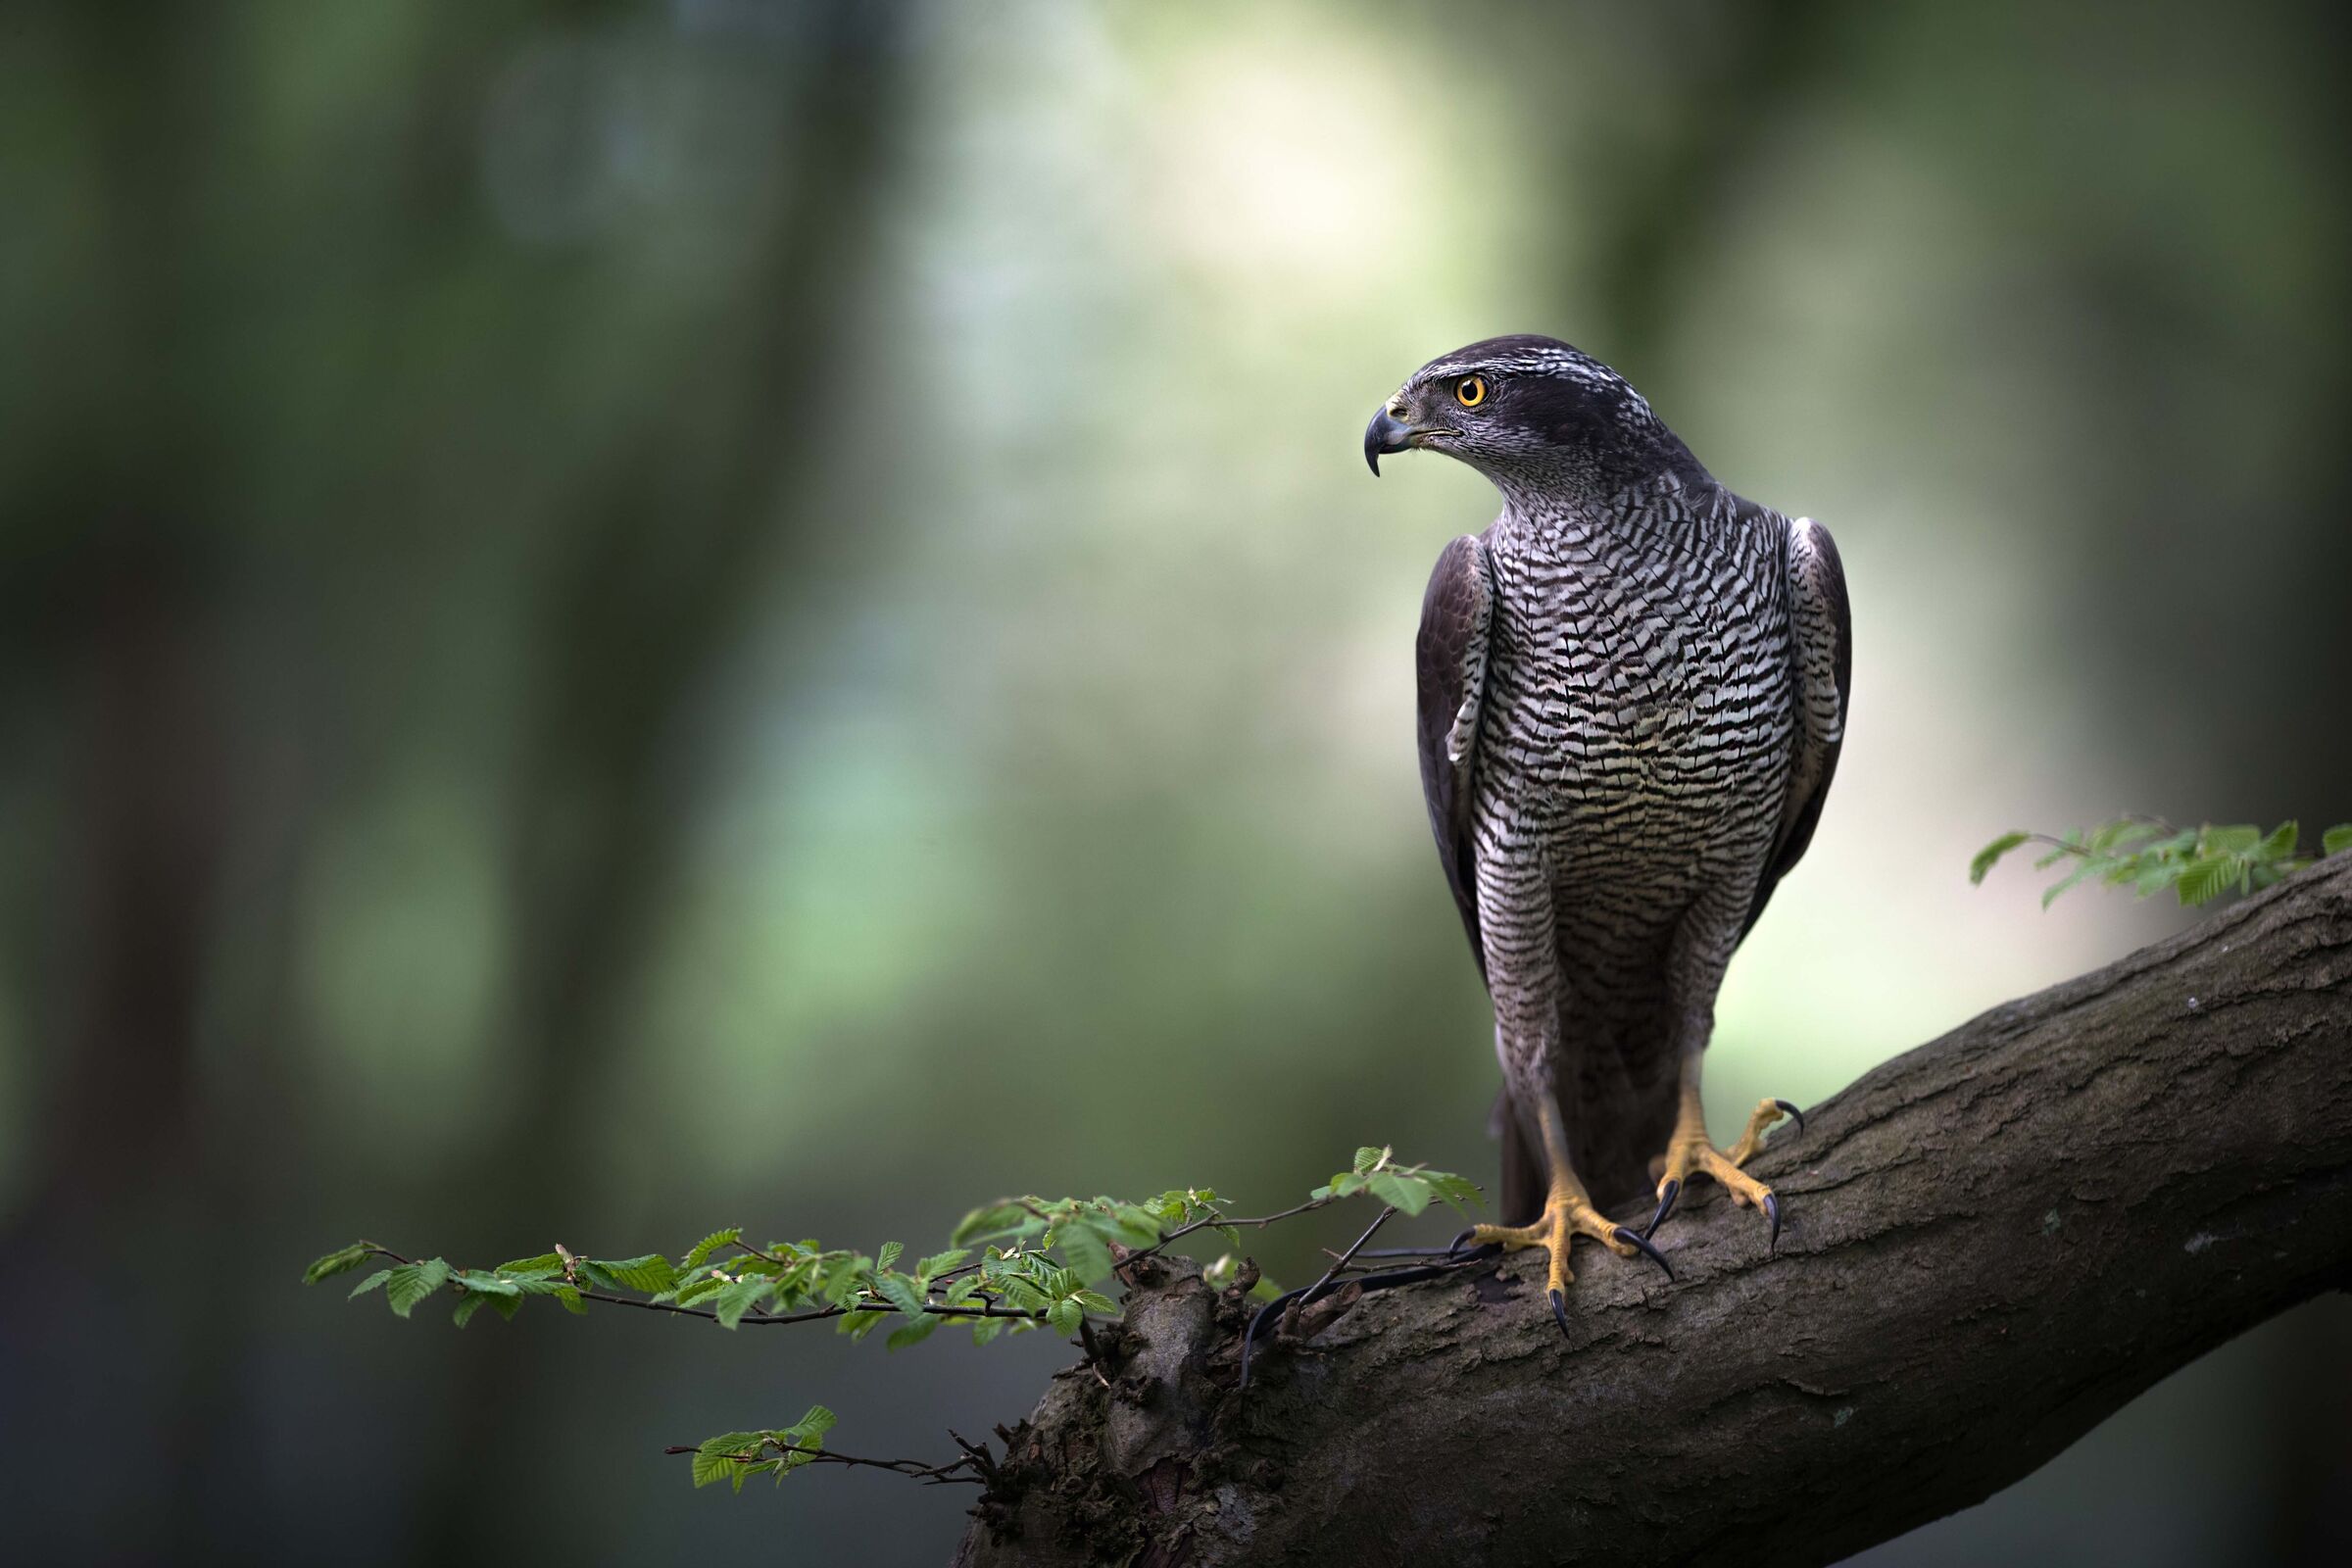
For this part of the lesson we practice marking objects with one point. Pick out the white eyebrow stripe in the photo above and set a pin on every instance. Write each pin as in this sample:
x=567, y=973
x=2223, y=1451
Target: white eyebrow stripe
x=1541, y=362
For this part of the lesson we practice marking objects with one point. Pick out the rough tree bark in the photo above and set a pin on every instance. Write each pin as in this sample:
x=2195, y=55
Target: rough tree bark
x=1993, y=1241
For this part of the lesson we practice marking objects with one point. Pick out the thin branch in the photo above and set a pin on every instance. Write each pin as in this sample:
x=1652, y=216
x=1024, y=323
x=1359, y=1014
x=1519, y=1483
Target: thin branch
x=966, y=1469
x=1386, y=1213
x=816, y=1313
x=1208, y=1221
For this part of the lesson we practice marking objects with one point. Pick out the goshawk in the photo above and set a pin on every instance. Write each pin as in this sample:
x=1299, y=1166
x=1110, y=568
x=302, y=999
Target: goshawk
x=1633, y=691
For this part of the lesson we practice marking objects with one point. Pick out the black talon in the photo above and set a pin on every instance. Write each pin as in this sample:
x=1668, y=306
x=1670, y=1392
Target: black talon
x=1307, y=1295
x=1453, y=1251
x=1795, y=1114
x=1643, y=1242
x=1771, y=1213
x=1559, y=1310
x=1674, y=1190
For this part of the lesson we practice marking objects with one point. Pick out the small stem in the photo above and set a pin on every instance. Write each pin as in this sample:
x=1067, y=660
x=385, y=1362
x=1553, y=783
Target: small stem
x=1313, y=1292
x=816, y=1313
x=1203, y=1223
x=915, y=1468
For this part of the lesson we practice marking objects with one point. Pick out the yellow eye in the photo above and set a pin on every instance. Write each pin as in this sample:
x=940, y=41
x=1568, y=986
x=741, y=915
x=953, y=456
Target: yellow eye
x=1470, y=391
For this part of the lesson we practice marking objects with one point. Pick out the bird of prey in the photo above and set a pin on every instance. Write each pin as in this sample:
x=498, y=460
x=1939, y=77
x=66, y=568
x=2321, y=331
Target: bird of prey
x=1633, y=691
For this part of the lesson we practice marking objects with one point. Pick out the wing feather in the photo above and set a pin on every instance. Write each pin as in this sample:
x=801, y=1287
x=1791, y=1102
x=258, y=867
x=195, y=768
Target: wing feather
x=1821, y=631
x=1451, y=651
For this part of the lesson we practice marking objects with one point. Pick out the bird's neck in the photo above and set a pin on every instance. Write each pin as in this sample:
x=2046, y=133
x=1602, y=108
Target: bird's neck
x=1557, y=513
x=1602, y=487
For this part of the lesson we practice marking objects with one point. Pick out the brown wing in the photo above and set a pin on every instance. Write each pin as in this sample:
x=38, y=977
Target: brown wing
x=1452, y=659
x=1821, y=630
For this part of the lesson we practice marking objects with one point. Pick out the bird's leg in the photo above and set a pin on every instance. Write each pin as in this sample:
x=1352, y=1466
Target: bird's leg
x=1568, y=1213
x=1690, y=1153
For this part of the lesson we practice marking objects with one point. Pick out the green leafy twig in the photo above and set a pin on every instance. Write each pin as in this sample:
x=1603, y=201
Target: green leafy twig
x=1409, y=1187
x=1037, y=1266
x=737, y=1457
x=2148, y=855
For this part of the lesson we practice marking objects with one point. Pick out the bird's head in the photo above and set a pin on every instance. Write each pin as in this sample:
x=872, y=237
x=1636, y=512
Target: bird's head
x=1530, y=413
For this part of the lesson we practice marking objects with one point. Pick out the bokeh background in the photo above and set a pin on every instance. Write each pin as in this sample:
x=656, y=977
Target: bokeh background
x=622, y=617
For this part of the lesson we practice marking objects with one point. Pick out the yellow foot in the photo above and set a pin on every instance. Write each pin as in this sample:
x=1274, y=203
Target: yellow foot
x=1566, y=1216
x=1690, y=1154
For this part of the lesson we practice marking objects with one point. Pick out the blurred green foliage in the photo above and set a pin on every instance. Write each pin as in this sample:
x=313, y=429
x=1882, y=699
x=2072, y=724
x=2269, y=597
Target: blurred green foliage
x=2148, y=855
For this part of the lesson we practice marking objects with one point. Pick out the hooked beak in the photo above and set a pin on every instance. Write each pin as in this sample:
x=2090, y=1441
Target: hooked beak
x=1386, y=433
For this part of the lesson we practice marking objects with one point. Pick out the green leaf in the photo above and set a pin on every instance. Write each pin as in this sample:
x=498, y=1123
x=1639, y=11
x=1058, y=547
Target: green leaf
x=2337, y=839
x=379, y=1277
x=1088, y=1256
x=1366, y=1157
x=466, y=1308
x=986, y=1329
x=1064, y=1316
x=2050, y=894
x=688, y=1295
x=914, y=1331
x=858, y=1325
x=1989, y=856
x=647, y=1274
x=700, y=1253
x=545, y=1262
x=940, y=1263
x=1097, y=1302
x=410, y=1283
x=571, y=1300
x=2116, y=835
x=2235, y=839
x=478, y=1283
x=340, y=1261
x=890, y=1255
x=2209, y=878
x=1460, y=1192
x=845, y=1278
x=733, y=1301
x=813, y=1426
x=992, y=1221
x=2281, y=842
x=727, y=1456
x=1409, y=1194
x=900, y=1292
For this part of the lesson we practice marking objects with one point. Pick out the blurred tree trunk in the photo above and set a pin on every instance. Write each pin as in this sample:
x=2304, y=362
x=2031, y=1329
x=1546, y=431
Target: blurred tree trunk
x=674, y=535
x=139, y=574
x=108, y=597
x=1995, y=1241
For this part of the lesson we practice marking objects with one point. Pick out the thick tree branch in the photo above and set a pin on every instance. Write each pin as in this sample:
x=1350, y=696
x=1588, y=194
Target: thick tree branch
x=1993, y=1241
